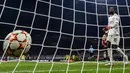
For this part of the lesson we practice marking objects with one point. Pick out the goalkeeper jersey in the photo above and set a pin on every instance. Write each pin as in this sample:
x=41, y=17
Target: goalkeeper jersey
x=113, y=22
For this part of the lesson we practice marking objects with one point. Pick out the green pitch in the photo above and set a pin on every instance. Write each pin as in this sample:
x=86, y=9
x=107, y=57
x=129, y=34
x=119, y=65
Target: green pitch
x=59, y=67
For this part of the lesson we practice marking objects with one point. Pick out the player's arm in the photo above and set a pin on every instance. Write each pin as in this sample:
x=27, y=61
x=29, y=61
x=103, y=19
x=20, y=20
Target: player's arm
x=116, y=20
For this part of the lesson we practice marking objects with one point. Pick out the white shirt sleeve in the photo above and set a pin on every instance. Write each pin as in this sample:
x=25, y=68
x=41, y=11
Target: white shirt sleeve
x=114, y=24
x=116, y=20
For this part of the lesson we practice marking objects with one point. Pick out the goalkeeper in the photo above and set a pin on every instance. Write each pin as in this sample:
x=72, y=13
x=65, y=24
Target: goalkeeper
x=113, y=36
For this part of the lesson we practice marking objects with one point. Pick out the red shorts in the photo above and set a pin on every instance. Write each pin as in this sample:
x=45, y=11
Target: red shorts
x=104, y=43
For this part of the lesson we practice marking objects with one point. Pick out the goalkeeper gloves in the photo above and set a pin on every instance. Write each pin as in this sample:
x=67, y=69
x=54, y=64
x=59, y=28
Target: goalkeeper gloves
x=107, y=28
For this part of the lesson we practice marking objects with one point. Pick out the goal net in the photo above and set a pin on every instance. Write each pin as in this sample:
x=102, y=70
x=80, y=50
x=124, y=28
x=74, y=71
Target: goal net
x=66, y=35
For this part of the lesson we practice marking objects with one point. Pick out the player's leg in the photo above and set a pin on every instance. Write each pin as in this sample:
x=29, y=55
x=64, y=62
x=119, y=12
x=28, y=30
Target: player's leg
x=109, y=50
x=116, y=42
x=125, y=56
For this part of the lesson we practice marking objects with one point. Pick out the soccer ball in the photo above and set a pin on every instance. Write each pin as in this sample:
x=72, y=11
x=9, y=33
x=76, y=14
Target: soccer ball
x=16, y=42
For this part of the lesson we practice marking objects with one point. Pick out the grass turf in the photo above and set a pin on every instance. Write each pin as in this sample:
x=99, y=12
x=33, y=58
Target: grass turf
x=59, y=67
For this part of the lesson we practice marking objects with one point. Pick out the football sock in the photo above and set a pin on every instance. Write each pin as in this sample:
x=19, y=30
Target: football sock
x=119, y=50
x=110, y=54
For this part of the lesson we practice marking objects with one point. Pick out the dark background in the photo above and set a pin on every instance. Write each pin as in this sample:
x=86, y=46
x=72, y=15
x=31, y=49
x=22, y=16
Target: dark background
x=62, y=24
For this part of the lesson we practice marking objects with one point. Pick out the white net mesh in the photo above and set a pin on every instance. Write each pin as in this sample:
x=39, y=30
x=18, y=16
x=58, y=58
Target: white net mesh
x=64, y=27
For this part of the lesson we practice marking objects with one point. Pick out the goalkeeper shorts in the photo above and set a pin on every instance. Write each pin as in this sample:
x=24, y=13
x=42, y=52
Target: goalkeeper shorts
x=114, y=39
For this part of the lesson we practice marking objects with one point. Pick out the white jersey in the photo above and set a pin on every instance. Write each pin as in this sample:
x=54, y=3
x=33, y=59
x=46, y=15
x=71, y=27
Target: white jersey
x=113, y=21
